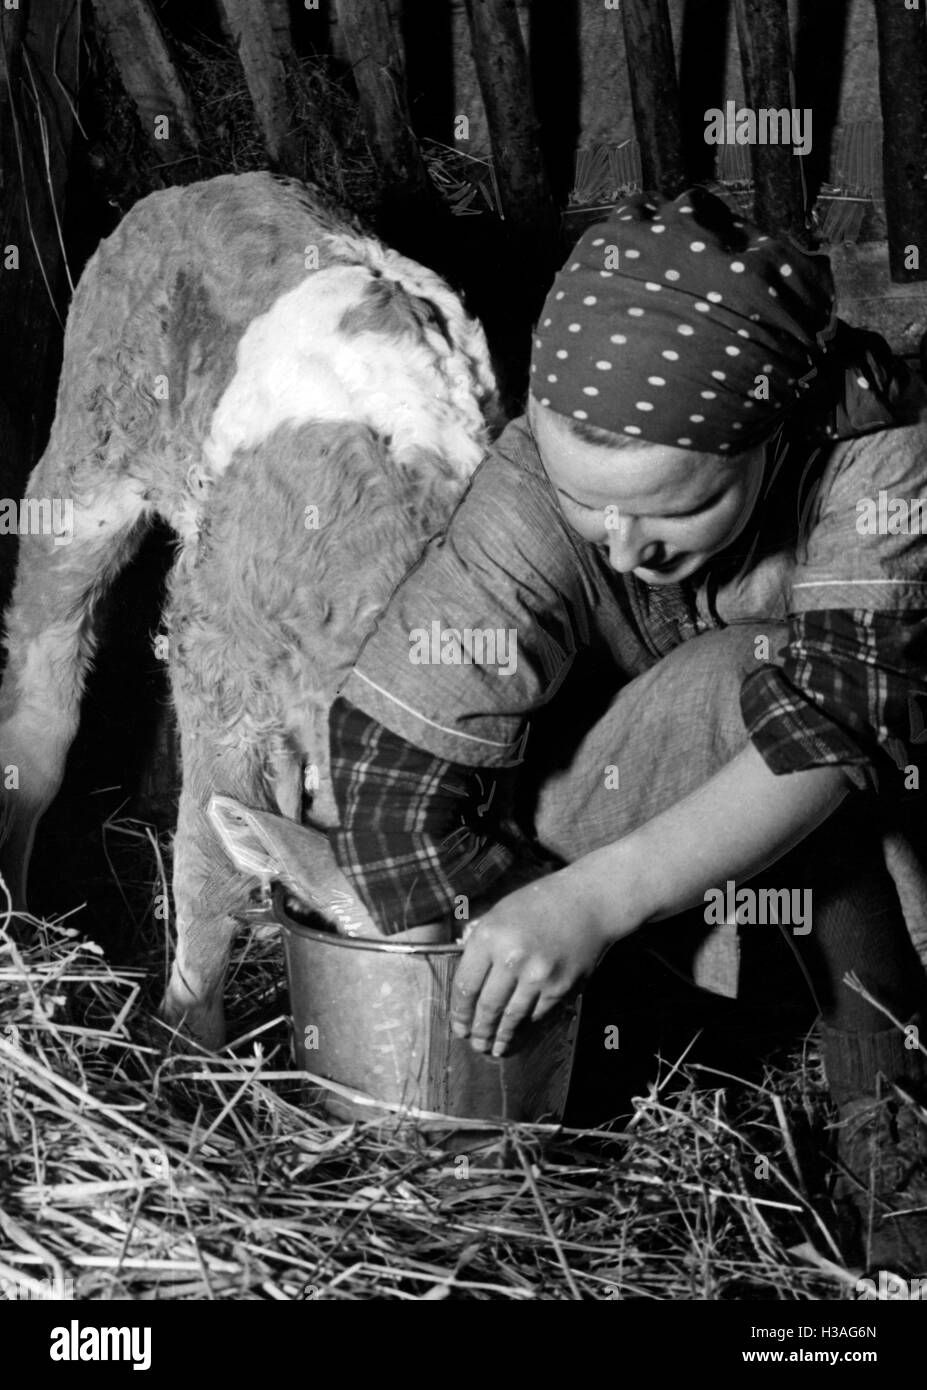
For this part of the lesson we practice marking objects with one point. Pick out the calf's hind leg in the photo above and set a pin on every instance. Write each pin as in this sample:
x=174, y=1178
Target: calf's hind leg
x=50, y=642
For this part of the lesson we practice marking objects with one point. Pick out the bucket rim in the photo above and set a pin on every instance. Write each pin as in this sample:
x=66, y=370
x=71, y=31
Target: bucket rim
x=357, y=943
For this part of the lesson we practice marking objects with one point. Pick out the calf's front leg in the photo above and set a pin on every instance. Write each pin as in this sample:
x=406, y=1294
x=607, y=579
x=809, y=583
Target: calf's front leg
x=210, y=896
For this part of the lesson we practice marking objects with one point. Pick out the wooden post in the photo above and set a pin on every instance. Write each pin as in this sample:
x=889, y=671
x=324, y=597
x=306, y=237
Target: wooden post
x=374, y=46
x=654, y=94
x=261, y=33
x=150, y=76
x=39, y=48
x=502, y=68
x=702, y=66
x=903, y=91
x=428, y=42
x=766, y=61
x=820, y=49
x=555, y=47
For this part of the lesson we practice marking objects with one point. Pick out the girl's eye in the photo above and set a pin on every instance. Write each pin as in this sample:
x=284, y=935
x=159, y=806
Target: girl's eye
x=575, y=503
x=702, y=506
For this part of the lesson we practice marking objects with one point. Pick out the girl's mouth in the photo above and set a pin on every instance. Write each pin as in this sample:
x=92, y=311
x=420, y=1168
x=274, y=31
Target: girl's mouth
x=662, y=567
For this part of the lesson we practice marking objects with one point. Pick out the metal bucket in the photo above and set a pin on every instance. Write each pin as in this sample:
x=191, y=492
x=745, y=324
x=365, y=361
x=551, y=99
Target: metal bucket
x=373, y=1017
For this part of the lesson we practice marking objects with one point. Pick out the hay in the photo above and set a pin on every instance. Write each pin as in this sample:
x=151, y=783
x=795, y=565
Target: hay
x=325, y=122
x=846, y=209
x=466, y=182
x=131, y=1172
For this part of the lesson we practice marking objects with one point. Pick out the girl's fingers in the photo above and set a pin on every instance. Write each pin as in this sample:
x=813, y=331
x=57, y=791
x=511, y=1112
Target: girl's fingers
x=471, y=973
x=497, y=990
x=544, y=1004
x=521, y=1006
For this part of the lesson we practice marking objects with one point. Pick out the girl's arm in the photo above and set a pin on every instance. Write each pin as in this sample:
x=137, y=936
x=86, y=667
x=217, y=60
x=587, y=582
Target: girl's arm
x=735, y=825
x=536, y=945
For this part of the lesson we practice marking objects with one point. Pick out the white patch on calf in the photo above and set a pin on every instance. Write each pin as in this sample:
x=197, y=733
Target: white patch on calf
x=295, y=365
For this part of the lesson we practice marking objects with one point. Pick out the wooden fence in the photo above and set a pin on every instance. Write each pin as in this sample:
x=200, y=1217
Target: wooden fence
x=39, y=57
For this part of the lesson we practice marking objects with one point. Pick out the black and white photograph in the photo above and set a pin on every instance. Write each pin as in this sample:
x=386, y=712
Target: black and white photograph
x=463, y=705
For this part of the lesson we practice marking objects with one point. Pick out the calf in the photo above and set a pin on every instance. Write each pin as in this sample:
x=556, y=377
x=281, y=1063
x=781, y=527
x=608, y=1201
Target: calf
x=303, y=406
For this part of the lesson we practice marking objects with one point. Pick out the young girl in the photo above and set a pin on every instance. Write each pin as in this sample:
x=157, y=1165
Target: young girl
x=711, y=656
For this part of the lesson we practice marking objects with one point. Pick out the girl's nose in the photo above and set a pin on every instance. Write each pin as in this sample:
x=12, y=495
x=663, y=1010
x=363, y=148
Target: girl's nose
x=626, y=546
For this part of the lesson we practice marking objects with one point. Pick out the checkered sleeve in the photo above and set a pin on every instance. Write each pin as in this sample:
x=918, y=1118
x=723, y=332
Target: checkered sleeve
x=851, y=691
x=417, y=833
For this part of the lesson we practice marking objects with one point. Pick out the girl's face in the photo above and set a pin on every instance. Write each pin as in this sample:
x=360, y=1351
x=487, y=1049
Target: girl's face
x=661, y=512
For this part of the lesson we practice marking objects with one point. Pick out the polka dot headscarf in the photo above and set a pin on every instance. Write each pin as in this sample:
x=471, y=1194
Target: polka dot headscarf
x=681, y=323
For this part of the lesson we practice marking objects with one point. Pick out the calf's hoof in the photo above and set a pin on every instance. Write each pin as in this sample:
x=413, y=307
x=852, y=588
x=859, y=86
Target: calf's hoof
x=191, y=1018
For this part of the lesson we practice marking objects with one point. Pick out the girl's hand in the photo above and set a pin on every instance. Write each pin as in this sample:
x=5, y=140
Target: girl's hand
x=523, y=956
x=539, y=943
